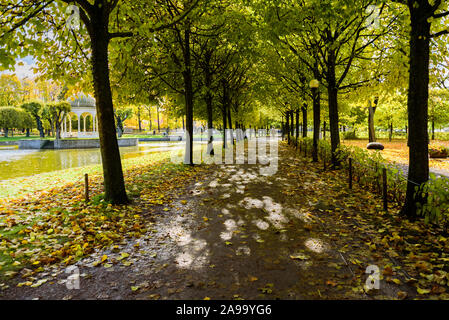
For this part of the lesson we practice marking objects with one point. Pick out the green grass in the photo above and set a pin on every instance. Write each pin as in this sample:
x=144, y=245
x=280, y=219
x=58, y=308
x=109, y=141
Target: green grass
x=142, y=136
x=22, y=137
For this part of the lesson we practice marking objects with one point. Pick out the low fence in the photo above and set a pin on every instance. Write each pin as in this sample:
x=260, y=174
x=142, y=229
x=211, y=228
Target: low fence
x=389, y=181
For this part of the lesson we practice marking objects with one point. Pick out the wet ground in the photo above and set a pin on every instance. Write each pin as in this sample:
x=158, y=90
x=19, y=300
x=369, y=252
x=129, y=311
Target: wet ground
x=235, y=235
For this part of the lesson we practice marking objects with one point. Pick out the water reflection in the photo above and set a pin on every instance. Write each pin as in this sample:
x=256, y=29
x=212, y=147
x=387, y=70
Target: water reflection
x=16, y=163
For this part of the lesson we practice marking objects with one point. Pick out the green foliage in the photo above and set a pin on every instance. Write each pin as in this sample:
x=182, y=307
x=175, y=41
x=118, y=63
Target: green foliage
x=349, y=135
x=26, y=120
x=10, y=117
x=436, y=208
x=33, y=107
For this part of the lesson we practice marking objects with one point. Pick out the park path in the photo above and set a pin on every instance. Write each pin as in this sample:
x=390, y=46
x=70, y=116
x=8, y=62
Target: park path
x=240, y=235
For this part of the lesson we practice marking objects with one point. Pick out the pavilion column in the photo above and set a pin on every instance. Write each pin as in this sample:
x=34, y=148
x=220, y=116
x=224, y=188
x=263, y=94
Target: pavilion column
x=84, y=121
x=79, y=123
x=70, y=125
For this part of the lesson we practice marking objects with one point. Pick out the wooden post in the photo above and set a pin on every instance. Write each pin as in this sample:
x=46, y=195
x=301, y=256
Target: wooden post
x=86, y=187
x=385, y=196
x=350, y=173
x=377, y=178
x=324, y=159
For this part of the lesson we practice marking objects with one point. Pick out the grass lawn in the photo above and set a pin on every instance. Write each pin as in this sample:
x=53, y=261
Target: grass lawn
x=397, y=151
x=21, y=137
x=143, y=136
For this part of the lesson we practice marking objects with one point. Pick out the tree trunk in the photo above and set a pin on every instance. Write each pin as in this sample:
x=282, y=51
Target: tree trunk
x=391, y=132
x=371, y=112
x=224, y=126
x=333, y=108
x=418, y=94
x=297, y=124
x=287, y=125
x=114, y=184
x=433, y=130
x=5, y=131
x=119, y=127
x=139, y=120
x=292, y=128
x=230, y=124
x=324, y=130
x=27, y=132
x=158, y=123
x=304, y=120
x=316, y=123
x=39, y=126
x=188, y=92
x=209, y=107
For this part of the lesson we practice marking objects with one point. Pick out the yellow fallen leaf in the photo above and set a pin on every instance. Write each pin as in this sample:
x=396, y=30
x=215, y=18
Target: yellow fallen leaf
x=252, y=279
x=298, y=257
x=422, y=291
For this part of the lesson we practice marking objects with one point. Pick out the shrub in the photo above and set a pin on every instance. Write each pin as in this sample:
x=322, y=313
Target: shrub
x=348, y=135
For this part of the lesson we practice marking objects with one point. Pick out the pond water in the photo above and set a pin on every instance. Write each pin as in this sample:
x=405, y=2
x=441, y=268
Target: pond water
x=16, y=163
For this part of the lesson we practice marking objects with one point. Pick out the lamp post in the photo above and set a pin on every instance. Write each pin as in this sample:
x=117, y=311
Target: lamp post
x=314, y=84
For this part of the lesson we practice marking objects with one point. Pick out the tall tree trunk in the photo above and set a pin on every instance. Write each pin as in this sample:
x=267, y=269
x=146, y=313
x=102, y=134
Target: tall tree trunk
x=418, y=94
x=188, y=90
x=225, y=106
x=149, y=117
x=292, y=128
x=282, y=129
x=114, y=184
x=391, y=132
x=316, y=123
x=287, y=125
x=158, y=123
x=297, y=124
x=139, y=120
x=230, y=124
x=433, y=129
x=304, y=120
x=209, y=107
x=371, y=112
x=324, y=130
x=333, y=107
x=39, y=126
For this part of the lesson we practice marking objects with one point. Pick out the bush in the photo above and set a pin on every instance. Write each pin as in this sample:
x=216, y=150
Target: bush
x=348, y=135
x=436, y=208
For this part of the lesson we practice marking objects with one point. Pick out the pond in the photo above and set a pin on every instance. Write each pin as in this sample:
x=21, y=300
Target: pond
x=16, y=163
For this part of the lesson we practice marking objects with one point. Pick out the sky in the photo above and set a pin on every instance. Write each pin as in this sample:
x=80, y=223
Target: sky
x=24, y=70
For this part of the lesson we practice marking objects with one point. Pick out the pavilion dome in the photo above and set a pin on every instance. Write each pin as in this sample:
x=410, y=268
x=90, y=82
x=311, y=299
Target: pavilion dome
x=82, y=101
